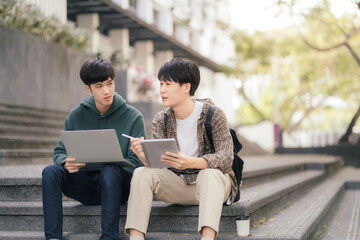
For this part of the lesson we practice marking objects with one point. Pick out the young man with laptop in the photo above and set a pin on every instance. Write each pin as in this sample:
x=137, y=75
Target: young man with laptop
x=108, y=185
x=197, y=175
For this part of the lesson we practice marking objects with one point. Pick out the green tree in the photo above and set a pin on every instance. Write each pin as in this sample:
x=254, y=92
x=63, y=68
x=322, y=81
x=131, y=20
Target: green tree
x=253, y=57
x=331, y=33
x=306, y=78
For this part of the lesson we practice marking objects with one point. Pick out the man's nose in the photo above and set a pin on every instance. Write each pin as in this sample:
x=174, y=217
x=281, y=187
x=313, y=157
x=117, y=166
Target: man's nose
x=106, y=89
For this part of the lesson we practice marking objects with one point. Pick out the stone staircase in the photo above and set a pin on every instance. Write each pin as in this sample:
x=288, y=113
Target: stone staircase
x=250, y=148
x=287, y=196
x=28, y=135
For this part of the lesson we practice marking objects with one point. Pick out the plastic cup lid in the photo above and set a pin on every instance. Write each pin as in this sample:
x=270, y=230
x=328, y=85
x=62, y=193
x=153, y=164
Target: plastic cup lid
x=247, y=217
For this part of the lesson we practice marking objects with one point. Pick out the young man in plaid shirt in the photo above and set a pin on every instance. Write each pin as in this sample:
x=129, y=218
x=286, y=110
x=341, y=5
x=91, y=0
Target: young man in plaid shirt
x=196, y=175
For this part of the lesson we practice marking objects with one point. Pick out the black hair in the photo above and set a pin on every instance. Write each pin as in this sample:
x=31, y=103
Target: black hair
x=96, y=70
x=181, y=70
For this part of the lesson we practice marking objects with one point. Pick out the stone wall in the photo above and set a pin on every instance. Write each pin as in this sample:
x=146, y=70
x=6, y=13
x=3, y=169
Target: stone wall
x=39, y=74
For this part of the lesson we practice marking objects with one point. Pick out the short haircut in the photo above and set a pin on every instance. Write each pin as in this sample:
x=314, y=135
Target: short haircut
x=96, y=70
x=181, y=70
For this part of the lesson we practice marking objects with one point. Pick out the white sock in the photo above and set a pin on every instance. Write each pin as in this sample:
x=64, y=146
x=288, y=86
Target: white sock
x=206, y=238
x=136, y=237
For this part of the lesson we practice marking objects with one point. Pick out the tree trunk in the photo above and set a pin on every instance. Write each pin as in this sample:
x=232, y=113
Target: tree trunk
x=281, y=142
x=345, y=137
x=253, y=107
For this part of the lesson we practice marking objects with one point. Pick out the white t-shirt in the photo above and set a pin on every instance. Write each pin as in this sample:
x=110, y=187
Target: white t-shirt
x=187, y=132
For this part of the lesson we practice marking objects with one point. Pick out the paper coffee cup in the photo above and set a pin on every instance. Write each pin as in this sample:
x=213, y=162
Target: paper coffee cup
x=243, y=226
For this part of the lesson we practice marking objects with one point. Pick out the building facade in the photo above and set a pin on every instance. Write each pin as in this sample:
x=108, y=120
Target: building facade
x=147, y=33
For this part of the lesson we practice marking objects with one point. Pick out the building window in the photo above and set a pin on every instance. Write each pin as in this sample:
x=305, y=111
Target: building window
x=155, y=16
x=132, y=3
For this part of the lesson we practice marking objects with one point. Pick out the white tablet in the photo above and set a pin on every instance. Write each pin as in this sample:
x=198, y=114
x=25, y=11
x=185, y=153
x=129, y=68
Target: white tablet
x=154, y=148
x=94, y=147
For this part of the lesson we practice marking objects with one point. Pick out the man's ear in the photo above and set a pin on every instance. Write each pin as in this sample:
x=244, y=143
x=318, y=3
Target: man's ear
x=88, y=89
x=187, y=87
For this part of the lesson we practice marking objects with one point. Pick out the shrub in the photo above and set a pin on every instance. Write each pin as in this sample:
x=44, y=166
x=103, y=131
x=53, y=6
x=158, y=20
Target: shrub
x=25, y=17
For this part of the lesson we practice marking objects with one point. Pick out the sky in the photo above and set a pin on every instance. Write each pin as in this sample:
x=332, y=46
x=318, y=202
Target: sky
x=259, y=15
x=256, y=15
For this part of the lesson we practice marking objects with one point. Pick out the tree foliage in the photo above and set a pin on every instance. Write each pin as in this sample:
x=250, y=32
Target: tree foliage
x=306, y=78
x=331, y=34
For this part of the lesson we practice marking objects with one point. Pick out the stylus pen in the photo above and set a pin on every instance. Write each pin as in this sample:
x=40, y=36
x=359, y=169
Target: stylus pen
x=127, y=136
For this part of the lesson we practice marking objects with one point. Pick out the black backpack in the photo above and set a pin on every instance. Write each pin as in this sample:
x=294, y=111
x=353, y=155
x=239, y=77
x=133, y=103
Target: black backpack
x=238, y=163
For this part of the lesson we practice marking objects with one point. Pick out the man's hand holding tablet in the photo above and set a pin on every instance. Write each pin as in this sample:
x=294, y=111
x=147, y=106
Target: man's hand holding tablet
x=137, y=148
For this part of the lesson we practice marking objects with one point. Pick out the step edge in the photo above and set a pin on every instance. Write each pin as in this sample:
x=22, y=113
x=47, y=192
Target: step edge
x=273, y=196
x=309, y=226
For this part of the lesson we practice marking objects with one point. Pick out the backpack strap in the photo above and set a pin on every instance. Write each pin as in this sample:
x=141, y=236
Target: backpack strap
x=207, y=124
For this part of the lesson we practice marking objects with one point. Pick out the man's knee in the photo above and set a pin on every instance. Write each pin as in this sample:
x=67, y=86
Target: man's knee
x=209, y=174
x=142, y=176
x=111, y=169
x=139, y=170
x=213, y=182
x=52, y=171
x=111, y=174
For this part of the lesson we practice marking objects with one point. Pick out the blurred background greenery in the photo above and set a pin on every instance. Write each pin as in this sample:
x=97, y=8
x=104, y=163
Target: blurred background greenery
x=306, y=74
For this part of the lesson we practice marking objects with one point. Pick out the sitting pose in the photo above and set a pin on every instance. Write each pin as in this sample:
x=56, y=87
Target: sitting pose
x=197, y=175
x=108, y=186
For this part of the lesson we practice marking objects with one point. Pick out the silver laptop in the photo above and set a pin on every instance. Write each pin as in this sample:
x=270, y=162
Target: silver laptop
x=94, y=147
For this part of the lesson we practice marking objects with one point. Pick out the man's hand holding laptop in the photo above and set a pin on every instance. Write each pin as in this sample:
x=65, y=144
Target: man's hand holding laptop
x=71, y=166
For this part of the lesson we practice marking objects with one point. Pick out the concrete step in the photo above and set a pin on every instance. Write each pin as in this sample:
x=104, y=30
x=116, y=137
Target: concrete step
x=15, y=110
x=257, y=196
x=21, y=207
x=256, y=171
x=343, y=220
x=16, y=130
x=25, y=142
x=39, y=235
x=164, y=217
x=22, y=235
x=250, y=148
x=260, y=169
x=31, y=122
x=20, y=182
x=294, y=222
x=299, y=217
x=25, y=156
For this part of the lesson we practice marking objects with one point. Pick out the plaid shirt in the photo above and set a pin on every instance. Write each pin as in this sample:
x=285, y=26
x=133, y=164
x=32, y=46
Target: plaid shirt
x=221, y=159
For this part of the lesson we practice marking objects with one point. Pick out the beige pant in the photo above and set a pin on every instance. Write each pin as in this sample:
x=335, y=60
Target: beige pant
x=211, y=190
